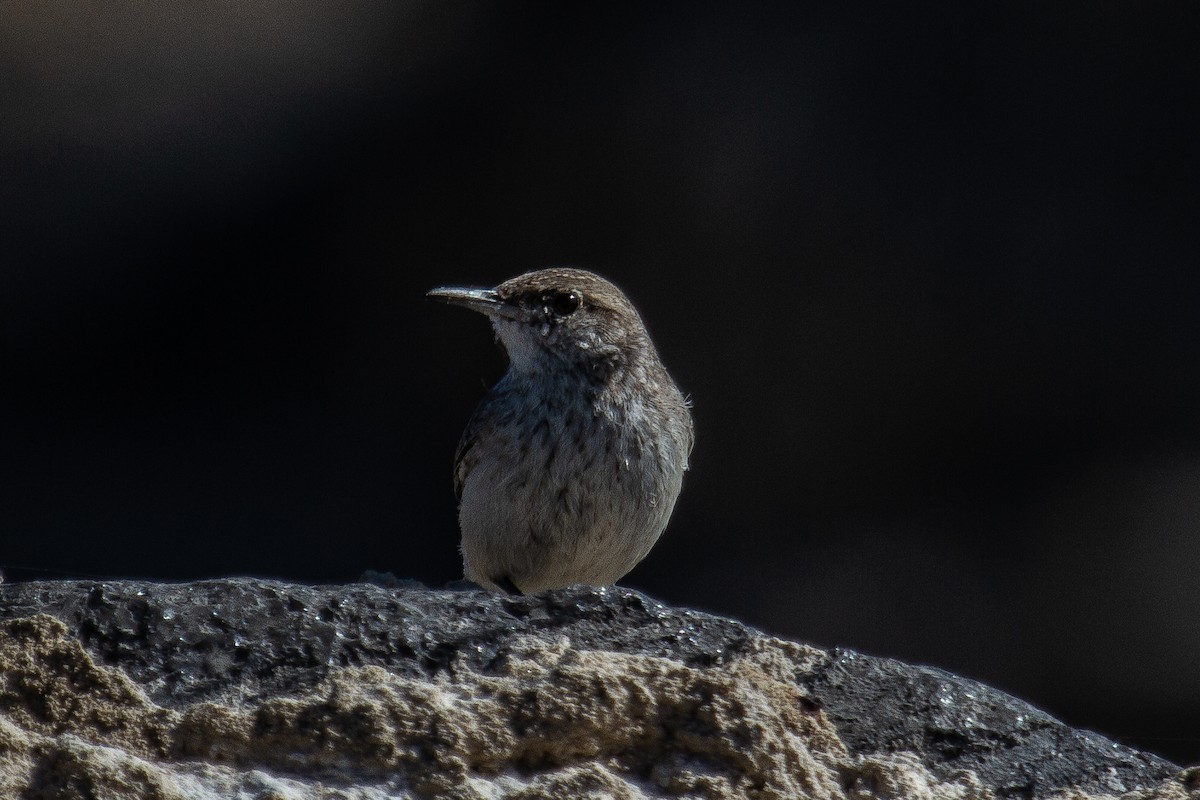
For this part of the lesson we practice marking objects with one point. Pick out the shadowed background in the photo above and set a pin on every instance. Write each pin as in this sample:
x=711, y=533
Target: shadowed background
x=930, y=278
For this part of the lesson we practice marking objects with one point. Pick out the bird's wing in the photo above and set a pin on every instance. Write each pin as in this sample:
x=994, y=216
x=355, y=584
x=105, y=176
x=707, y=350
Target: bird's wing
x=464, y=461
x=468, y=453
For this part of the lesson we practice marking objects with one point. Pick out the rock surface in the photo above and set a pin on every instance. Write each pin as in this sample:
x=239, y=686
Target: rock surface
x=259, y=689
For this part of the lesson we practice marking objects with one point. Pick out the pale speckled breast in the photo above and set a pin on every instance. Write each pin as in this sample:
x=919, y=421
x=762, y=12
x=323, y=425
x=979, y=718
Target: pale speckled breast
x=566, y=491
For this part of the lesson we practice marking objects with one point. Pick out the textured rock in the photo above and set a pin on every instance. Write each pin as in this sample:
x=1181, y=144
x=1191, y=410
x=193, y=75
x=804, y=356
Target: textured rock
x=258, y=689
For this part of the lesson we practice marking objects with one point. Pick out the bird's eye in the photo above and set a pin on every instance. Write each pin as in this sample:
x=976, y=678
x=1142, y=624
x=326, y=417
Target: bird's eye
x=563, y=304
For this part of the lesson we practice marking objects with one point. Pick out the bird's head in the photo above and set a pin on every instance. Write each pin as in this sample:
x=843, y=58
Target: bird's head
x=552, y=316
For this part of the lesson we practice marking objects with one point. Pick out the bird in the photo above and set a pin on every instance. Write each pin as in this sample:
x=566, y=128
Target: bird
x=568, y=470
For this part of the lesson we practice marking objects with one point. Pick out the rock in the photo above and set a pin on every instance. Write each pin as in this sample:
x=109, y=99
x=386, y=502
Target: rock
x=259, y=689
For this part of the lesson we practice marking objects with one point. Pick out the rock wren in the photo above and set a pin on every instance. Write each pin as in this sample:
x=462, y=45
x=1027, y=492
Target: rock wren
x=569, y=468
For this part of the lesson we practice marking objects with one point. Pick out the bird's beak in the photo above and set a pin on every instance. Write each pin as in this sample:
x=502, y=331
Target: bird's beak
x=485, y=301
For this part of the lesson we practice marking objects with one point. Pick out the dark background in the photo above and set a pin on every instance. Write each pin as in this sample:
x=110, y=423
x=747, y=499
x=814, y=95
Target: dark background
x=930, y=277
